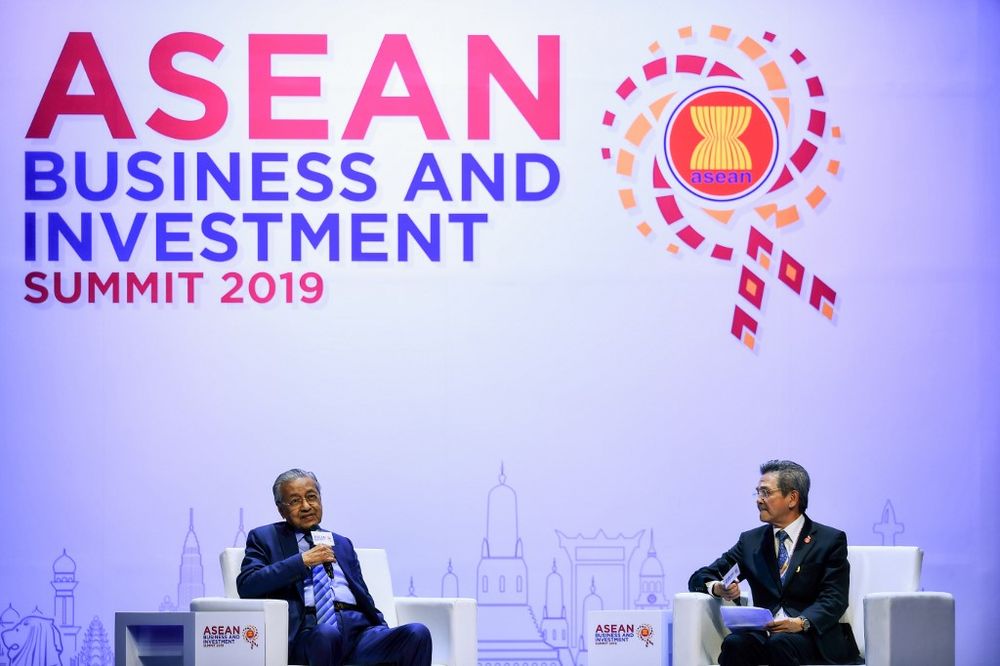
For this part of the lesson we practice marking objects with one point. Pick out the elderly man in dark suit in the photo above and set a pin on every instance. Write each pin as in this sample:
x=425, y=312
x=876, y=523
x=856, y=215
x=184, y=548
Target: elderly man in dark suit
x=332, y=619
x=796, y=568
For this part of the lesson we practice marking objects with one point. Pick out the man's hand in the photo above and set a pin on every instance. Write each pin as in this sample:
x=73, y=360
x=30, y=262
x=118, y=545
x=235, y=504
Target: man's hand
x=318, y=555
x=730, y=593
x=790, y=625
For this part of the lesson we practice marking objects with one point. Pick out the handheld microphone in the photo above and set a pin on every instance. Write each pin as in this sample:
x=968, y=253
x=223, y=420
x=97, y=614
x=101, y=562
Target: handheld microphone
x=324, y=538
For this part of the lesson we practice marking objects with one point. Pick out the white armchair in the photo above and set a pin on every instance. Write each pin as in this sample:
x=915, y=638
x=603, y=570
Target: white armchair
x=451, y=621
x=894, y=623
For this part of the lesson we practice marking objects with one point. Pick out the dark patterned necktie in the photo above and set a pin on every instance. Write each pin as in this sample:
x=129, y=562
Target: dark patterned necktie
x=782, y=554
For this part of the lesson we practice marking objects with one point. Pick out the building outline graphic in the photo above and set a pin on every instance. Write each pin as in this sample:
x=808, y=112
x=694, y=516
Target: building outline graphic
x=888, y=528
x=509, y=632
x=191, y=574
x=96, y=649
x=598, y=563
x=652, y=582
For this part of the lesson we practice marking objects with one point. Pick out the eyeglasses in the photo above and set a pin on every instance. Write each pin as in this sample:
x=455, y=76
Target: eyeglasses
x=296, y=502
x=764, y=493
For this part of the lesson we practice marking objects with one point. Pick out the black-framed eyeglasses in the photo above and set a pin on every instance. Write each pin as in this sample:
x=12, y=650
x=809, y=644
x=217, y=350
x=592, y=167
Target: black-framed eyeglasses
x=296, y=502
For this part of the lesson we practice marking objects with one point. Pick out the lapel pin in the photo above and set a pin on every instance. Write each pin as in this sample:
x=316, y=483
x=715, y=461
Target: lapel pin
x=808, y=539
x=798, y=569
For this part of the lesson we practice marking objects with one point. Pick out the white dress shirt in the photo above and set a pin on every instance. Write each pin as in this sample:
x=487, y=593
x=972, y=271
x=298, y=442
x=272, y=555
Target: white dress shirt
x=341, y=591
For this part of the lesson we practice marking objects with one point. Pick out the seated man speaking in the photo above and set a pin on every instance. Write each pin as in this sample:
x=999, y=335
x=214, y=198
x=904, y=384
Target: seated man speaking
x=797, y=569
x=332, y=619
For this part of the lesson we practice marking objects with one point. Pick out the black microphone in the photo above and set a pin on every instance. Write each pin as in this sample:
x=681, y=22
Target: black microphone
x=325, y=539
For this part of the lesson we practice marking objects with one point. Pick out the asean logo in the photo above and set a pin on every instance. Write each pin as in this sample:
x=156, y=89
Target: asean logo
x=250, y=635
x=723, y=144
x=645, y=634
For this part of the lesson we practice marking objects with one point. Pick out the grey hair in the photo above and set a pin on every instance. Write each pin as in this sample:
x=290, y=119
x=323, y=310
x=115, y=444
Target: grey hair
x=791, y=476
x=291, y=475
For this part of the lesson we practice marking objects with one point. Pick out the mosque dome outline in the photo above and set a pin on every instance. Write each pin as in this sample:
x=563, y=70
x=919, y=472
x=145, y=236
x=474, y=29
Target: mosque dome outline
x=9, y=616
x=64, y=565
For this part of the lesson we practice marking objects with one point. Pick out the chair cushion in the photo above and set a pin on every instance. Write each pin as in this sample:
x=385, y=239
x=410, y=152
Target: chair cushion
x=879, y=569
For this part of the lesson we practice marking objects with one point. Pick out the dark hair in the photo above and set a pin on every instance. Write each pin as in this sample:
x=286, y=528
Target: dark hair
x=791, y=476
x=290, y=475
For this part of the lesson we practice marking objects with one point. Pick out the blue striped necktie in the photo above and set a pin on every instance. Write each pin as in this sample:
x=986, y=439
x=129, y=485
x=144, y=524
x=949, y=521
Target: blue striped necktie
x=323, y=596
x=322, y=589
x=782, y=554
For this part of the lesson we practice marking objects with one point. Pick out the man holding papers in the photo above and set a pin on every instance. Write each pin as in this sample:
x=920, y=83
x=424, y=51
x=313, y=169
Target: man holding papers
x=797, y=569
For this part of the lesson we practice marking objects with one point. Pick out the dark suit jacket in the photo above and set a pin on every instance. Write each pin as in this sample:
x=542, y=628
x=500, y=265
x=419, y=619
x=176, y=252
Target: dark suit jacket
x=815, y=587
x=273, y=569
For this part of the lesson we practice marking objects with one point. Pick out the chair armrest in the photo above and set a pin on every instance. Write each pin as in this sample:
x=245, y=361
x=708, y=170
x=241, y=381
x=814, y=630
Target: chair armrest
x=452, y=623
x=909, y=628
x=698, y=629
x=275, y=621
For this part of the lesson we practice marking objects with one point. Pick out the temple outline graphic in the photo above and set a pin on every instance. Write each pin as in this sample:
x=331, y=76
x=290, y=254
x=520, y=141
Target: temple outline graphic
x=449, y=582
x=652, y=582
x=600, y=576
x=509, y=633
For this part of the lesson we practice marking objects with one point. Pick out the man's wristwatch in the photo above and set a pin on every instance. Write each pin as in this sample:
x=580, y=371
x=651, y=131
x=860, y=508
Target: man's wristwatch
x=806, y=624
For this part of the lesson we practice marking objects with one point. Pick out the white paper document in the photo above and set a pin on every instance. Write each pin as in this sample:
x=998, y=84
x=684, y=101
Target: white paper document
x=742, y=618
